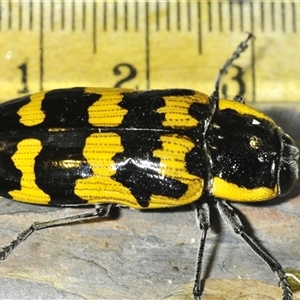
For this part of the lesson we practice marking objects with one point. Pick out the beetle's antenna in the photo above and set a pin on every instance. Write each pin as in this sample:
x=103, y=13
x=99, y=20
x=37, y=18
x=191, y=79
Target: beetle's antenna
x=240, y=49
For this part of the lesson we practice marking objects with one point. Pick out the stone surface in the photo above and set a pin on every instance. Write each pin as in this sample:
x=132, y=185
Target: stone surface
x=139, y=255
x=224, y=289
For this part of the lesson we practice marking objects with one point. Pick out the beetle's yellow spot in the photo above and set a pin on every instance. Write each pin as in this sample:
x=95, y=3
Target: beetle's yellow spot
x=24, y=160
x=106, y=112
x=243, y=109
x=176, y=110
x=173, y=164
x=232, y=192
x=99, y=150
x=31, y=114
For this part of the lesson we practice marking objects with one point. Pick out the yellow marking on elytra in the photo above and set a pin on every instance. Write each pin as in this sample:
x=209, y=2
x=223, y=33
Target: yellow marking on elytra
x=232, y=192
x=173, y=164
x=176, y=110
x=31, y=113
x=243, y=109
x=24, y=160
x=106, y=111
x=99, y=150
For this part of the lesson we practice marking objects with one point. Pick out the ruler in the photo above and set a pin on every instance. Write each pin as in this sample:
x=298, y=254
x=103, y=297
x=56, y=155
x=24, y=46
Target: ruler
x=150, y=44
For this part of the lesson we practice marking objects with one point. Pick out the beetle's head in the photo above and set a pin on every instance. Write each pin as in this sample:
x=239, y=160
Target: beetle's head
x=288, y=168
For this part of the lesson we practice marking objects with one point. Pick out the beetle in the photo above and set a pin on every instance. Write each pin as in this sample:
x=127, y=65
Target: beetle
x=113, y=147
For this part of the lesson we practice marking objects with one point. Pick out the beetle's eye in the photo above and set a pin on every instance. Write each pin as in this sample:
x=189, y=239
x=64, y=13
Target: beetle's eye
x=287, y=178
x=287, y=140
x=289, y=165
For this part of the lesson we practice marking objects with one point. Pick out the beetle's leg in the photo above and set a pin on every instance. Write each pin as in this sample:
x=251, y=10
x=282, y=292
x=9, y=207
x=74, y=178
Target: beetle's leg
x=202, y=217
x=230, y=217
x=101, y=212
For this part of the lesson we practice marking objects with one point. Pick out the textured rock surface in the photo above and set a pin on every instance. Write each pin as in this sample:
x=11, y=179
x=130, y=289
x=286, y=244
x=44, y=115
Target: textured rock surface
x=140, y=255
x=224, y=289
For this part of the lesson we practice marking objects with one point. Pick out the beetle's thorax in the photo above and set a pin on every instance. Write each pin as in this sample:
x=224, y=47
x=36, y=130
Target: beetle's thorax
x=245, y=148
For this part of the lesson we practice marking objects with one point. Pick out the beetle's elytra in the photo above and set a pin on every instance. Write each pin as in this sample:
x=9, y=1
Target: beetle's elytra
x=144, y=149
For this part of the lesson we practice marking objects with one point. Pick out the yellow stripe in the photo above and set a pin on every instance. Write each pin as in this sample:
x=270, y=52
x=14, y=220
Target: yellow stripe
x=31, y=113
x=172, y=164
x=106, y=112
x=232, y=192
x=243, y=109
x=176, y=110
x=24, y=160
x=99, y=150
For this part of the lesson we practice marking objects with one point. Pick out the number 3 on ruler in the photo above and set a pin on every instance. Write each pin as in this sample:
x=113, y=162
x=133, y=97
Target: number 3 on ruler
x=240, y=81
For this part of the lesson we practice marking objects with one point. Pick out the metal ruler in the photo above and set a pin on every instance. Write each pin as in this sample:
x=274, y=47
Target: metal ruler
x=150, y=44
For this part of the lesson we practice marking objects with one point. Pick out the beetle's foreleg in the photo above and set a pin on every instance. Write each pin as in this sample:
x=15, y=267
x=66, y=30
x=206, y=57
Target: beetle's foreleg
x=202, y=216
x=101, y=212
x=230, y=217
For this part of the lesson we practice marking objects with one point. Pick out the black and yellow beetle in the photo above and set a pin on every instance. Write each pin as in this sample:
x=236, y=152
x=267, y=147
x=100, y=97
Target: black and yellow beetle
x=144, y=149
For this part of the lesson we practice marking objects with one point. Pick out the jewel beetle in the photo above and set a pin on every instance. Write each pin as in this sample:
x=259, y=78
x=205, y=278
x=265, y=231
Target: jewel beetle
x=113, y=147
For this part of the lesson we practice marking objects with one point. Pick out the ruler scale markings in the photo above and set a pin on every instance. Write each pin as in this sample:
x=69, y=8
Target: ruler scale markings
x=262, y=16
x=18, y=11
x=73, y=15
x=7, y=19
x=117, y=13
x=20, y=15
x=104, y=16
x=209, y=11
x=220, y=13
x=253, y=54
x=291, y=13
x=83, y=15
x=189, y=24
x=273, y=16
x=199, y=27
x=0, y=15
x=52, y=16
x=30, y=15
x=95, y=26
x=157, y=19
x=168, y=16
x=9, y=15
x=147, y=45
x=283, y=17
x=289, y=16
x=115, y=16
x=126, y=16
x=136, y=14
x=41, y=45
x=121, y=15
x=178, y=16
x=294, y=17
x=241, y=6
x=62, y=15
x=230, y=16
